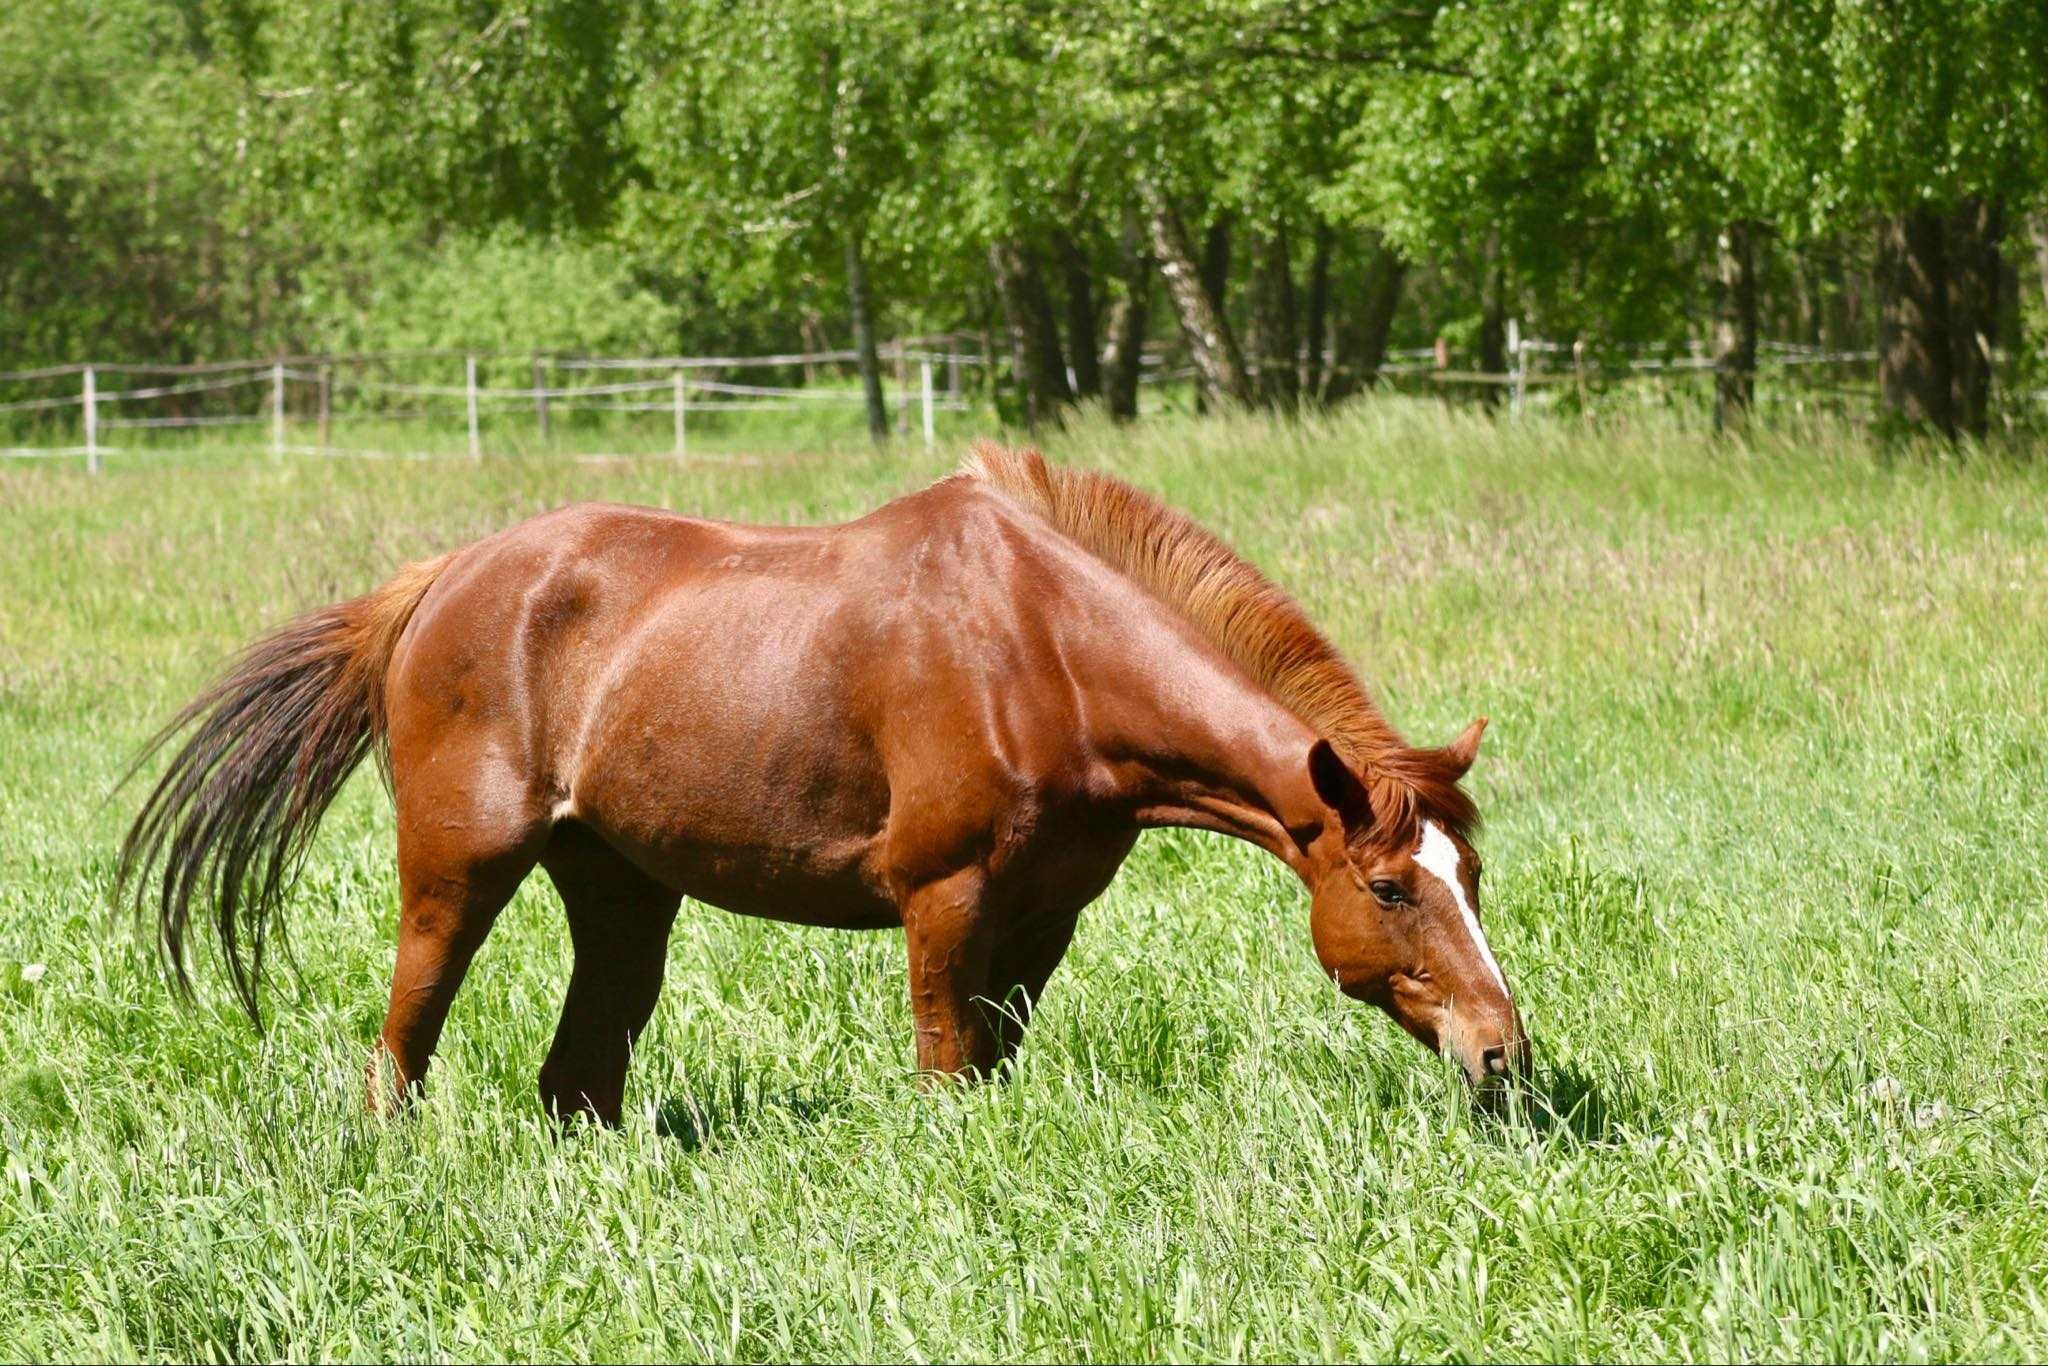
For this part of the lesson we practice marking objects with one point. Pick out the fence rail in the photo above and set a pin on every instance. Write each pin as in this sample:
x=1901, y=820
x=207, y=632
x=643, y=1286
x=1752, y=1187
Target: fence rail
x=305, y=389
x=676, y=386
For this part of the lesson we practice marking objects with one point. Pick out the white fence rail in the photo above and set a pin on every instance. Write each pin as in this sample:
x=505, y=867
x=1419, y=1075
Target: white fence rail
x=675, y=386
x=323, y=390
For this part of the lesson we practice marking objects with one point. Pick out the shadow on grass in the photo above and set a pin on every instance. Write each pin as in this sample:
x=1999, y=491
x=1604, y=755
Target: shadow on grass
x=742, y=1106
x=1570, y=1102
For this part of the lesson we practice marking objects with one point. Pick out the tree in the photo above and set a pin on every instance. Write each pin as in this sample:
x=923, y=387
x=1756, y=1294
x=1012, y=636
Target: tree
x=1519, y=165
x=773, y=143
x=1944, y=114
x=138, y=184
x=1242, y=113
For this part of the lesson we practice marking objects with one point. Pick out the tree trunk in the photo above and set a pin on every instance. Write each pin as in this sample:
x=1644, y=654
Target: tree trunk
x=1051, y=363
x=1364, y=326
x=864, y=339
x=1915, y=362
x=1216, y=261
x=1034, y=339
x=2011, y=310
x=812, y=329
x=1219, y=366
x=1387, y=274
x=1808, y=279
x=1215, y=281
x=1837, y=304
x=1975, y=271
x=1316, y=326
x=1735, y=325
x=1130, y=322
x=1493, y=312
x=986, y=376
x=1084, y=345
x=1274, y=330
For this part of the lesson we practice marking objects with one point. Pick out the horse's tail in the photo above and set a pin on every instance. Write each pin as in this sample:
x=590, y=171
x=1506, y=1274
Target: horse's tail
x=270, y=744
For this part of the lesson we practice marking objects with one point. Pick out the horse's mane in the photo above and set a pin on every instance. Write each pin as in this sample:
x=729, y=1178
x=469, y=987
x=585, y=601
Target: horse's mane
x=1246, y=616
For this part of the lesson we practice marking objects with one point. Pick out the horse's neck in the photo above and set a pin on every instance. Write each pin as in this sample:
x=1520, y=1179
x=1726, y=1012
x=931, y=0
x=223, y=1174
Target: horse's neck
x=1199, y=745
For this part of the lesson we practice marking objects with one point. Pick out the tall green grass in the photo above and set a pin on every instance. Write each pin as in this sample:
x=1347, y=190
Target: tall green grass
x=1765, y=800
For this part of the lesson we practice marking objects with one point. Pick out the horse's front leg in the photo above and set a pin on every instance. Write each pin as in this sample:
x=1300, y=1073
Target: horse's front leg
x=1022, y=963
x=948, y=929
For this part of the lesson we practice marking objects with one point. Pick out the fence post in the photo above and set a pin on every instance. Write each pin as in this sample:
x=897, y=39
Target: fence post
x=1579, y=371
x=92, y=422
x=277, y=408
x=476, y=449
x=924, y=379
x=326, y=403
x=540, y=397
x=1519, y=356
x=681, y=408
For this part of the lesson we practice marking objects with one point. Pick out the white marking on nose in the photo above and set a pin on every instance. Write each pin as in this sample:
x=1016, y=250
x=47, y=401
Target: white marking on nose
x=1438, y=857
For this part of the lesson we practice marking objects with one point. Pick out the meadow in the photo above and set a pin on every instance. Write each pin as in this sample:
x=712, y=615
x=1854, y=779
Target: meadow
x=1765, y=813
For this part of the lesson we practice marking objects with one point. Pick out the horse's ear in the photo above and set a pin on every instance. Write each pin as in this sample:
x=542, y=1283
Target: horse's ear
x=1339, y=787
x=1463, y=750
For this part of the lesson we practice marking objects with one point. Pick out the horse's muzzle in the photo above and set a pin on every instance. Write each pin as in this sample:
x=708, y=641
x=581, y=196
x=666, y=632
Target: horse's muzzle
x=1494, y=1054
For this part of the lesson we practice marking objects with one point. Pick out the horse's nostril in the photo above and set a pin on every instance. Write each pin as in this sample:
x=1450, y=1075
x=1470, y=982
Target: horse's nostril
x=1494, y=1060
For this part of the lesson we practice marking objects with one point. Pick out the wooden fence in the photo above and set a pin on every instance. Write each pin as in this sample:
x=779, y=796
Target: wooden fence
x=319, y=391
x=306, y=396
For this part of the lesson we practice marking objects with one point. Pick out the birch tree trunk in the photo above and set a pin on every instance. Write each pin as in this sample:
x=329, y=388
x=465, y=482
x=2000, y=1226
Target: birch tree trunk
x=1735, y=324
x=1315, y=326
x=1219, y=365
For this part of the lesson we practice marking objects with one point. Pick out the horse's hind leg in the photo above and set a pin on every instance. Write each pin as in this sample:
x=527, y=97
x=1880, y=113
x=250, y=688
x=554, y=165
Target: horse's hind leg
x=619, y=920
x=463, y=849
x=448, y=907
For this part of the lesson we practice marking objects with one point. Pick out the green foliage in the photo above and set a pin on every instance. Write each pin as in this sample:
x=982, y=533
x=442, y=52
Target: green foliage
x=768, y=136
x=460, y=113
x=504, y=291
x=1939, y=101
x=133, y=188
x=213, y=177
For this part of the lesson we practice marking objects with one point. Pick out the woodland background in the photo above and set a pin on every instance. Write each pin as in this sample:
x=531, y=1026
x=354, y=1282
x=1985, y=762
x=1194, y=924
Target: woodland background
x=1274, y=192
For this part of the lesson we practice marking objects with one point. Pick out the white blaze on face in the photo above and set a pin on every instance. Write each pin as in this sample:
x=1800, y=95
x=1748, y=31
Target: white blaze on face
x=1438, y=857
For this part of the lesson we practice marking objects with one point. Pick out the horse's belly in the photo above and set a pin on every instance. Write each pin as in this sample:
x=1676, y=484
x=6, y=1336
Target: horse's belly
x=738, y=778
x=810, y=883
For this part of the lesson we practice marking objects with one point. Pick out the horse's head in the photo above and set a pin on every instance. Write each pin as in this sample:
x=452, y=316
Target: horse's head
x=1396, y=909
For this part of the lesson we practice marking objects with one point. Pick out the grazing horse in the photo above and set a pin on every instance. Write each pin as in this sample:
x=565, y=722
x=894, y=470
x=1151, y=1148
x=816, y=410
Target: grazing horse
x=955, y=715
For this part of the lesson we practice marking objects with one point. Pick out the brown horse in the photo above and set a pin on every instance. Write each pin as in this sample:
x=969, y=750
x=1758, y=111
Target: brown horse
x=955, y=715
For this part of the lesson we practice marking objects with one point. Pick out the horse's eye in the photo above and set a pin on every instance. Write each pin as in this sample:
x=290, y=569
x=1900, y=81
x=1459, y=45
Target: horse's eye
x=1389, y=893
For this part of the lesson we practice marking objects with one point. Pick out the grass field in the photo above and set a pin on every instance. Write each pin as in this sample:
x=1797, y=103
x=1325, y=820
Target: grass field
x=1766, y=803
